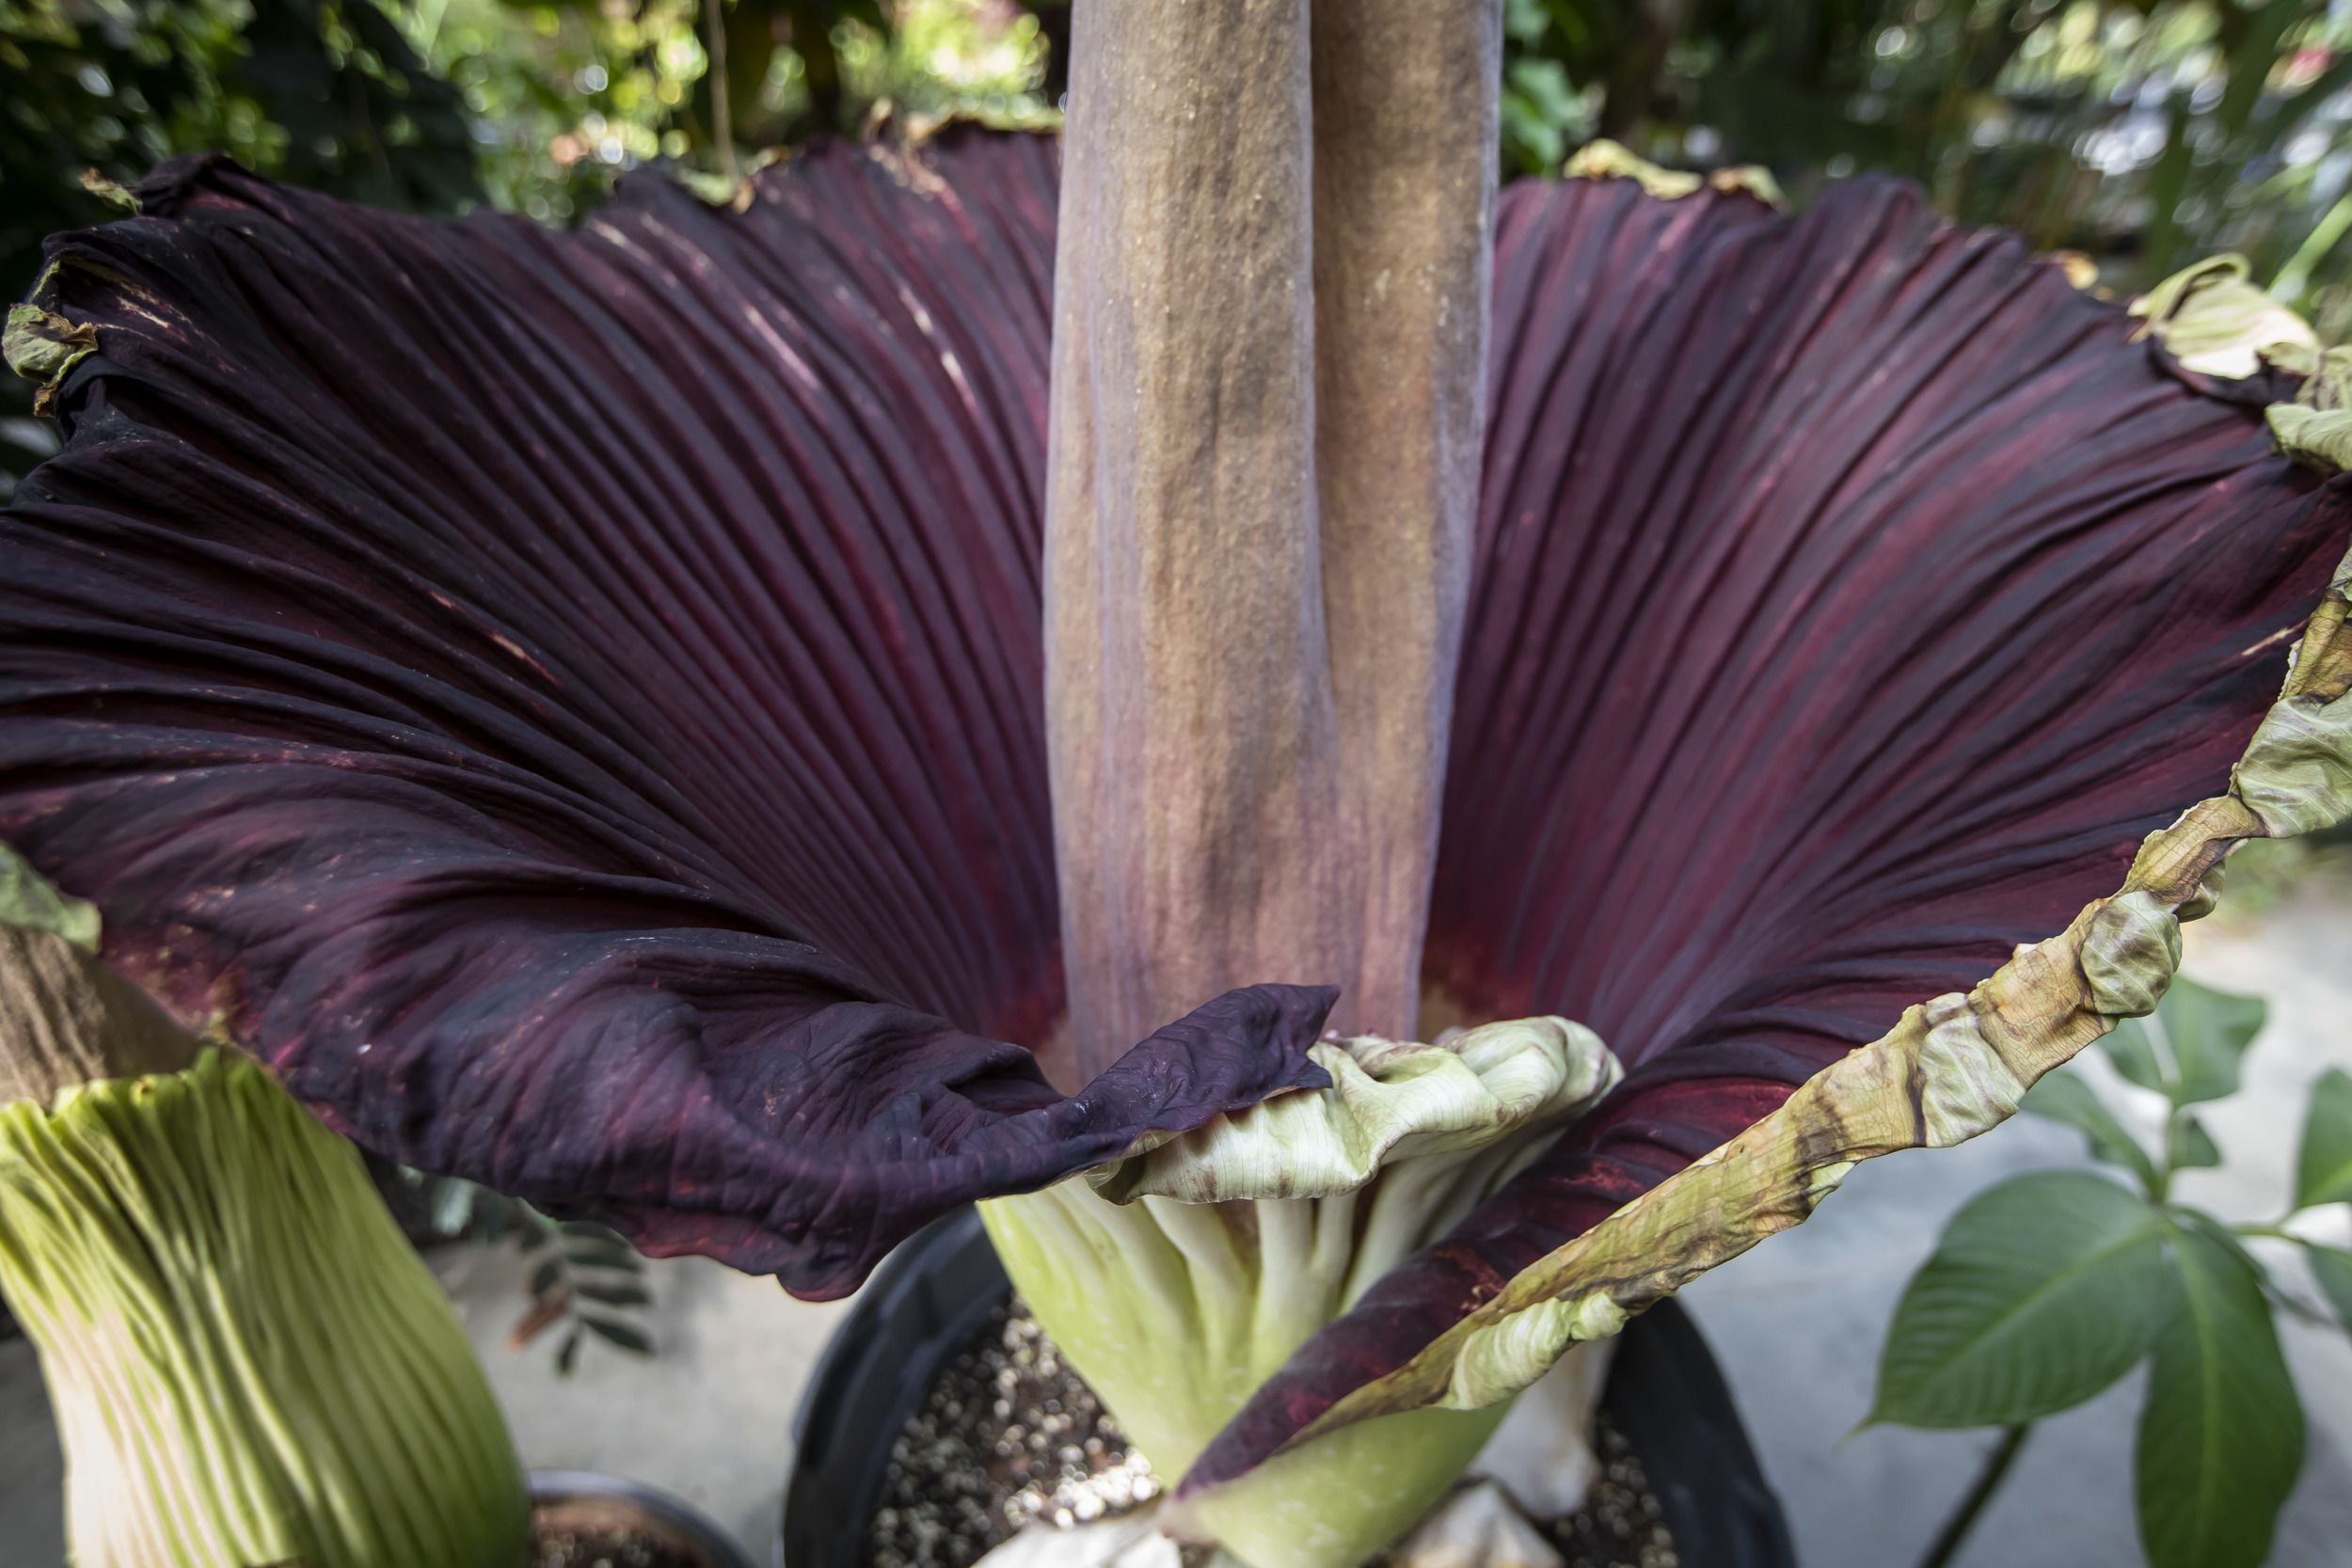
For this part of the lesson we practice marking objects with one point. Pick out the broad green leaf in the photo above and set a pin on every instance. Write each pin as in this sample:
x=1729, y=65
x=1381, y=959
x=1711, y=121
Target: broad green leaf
x=2064, y=1096
x=2323, y=1174
x=2041, y=1292
x=2224, y=1238
x=2189, y=1051
x=2208, y=1031
x=2332, y=1268
x=2189, y=1146
x=2221, y=1436
x=2133, y=1053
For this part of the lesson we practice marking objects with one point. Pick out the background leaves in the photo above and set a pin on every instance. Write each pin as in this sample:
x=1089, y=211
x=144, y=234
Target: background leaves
x=2332, y=1268
x=2064, y=1096
x=2221, y=1434
x=2323, y=1167
x=2048, y=1289
x=2190, y=1050
x=584, y=1278
x=2043, y=1292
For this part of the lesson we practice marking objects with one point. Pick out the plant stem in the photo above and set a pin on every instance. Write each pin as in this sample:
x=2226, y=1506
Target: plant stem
x=1265, y=437
x=2296, y=277
x=1956, y=1529
x=721, y=114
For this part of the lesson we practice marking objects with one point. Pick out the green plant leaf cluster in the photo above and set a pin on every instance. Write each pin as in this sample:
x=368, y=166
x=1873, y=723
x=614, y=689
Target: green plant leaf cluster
x=2049, y=1288
x=585, y=1281
x=2142, y=132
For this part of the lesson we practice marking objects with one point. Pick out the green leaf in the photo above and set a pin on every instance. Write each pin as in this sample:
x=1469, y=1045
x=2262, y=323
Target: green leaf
x=2208, y=1031
x=2189, y=1146
x=613, y=1295
x=2324, y=1171
x=604, y=1255
x=543, y=1278
x=2065, y=1096
x=2332, y=1268
x=617, y=1333
x=2221, y=1436
x=2189, y=1051
x=2133, y=1053
x=2041, y=1292
x=567, y=1354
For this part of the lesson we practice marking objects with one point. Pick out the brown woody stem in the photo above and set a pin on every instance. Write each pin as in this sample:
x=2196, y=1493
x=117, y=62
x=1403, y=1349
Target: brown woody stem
x=65, y=1018
x=1269, y=350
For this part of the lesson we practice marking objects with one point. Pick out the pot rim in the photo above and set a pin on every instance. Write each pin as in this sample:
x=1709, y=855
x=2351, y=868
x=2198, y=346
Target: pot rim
x=701, y=1531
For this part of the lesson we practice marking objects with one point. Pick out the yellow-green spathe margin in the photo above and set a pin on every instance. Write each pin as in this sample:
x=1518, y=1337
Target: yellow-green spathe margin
x=43, y=348
x=2215, y=319
x=1609, y=160
x=248, y=1363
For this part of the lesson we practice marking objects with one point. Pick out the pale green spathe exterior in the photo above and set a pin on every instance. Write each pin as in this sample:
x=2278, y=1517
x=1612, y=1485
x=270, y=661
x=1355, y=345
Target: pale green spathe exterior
x=1389, y=1101
x=1177, y=1280
x=250, y=1363
x=1175, y=1312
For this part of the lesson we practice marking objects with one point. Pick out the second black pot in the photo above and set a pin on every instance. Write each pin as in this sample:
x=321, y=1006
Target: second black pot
x=927, y=1304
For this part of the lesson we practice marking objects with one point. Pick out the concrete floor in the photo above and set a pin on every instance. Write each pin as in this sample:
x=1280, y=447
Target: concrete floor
x=1797, y=1324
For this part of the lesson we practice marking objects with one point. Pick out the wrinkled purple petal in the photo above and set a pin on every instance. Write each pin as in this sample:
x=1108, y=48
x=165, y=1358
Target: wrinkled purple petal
x=1851, y=598
x=571, y=701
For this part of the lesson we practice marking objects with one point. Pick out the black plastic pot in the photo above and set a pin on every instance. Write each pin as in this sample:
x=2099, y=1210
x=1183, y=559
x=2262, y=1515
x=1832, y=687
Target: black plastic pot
x=929, y=1300
x=588, y=1500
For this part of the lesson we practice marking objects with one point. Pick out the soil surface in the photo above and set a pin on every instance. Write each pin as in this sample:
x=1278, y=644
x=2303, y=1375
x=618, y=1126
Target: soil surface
x=1620, y=1525
x=622, y=1548
x=595, y=1531
x=1010, y=1434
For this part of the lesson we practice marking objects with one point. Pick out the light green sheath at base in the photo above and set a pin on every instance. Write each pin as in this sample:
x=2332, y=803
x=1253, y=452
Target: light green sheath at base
x=1178, y=1279
x=250, y=1363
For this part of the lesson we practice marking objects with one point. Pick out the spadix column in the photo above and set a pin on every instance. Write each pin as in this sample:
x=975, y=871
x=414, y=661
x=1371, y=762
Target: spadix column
x=1268, y=361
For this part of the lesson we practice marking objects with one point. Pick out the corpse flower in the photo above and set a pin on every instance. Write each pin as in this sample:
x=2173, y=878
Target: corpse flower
x=643, y=716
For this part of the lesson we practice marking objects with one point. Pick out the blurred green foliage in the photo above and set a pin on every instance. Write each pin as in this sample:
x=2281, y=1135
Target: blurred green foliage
x=2143, y=133
x=436, y=105
x=565, y=92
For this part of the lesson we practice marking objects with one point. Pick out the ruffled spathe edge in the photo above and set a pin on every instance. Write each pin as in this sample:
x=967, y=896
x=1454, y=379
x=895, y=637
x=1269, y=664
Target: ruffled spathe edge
x=1951, y=1067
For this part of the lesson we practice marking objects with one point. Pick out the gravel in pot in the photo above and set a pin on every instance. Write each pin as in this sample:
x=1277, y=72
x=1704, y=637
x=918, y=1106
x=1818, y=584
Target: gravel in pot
x=580, y=1520
x=940, y=1420
x=1009, y=1434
